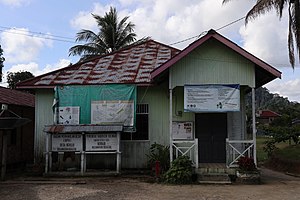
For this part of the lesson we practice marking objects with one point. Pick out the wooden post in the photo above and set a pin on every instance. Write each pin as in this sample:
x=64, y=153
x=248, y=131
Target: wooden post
x=196, y=153
x=254, y=125
x=4, y=154
x=118, y=152
x=47, y=154
x=171, y=116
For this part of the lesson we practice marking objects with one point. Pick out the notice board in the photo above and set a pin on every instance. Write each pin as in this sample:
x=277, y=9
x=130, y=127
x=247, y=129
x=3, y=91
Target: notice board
x=182, y=130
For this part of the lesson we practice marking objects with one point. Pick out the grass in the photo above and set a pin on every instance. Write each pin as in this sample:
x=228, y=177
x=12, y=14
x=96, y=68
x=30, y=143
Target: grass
x=261, y=154
x=291, y=152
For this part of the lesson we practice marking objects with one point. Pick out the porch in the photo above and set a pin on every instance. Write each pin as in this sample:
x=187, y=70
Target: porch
x=235, y=149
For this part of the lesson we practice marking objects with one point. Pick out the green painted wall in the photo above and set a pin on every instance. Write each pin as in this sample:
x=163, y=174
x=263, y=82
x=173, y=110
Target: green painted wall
x=158, y=100
x=213, y=63
x=43, y=116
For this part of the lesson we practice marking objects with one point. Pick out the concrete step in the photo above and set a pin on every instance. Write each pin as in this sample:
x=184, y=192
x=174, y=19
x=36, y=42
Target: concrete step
x=214, y=178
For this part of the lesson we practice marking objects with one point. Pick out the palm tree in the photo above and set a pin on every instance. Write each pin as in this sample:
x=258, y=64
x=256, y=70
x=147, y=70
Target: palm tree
x=2, y=59
x=112, y=36
x=293, y=6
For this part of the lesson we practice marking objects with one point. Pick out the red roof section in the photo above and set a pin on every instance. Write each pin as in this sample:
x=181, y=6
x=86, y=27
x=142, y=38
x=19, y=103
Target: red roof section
x=14, y=97
x=129, y=65
x=267, y=114
x=213, y=34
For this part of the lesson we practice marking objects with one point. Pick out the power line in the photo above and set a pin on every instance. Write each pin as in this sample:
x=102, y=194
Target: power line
x=204, y=32
x=46, y=36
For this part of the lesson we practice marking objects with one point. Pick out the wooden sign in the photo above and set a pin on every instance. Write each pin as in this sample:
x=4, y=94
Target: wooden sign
x=66, y=142
x=101, y=142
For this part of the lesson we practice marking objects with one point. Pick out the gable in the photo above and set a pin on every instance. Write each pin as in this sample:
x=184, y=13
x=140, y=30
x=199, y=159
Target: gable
x=213, y=63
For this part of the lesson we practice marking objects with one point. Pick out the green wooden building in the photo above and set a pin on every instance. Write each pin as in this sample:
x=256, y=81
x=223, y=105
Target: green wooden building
x=192, y=100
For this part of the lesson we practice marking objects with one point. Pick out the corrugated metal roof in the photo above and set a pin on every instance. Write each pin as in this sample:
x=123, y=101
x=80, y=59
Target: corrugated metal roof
x=264, y=72
x=130, y=65
x=14, y=97
x=83, y=128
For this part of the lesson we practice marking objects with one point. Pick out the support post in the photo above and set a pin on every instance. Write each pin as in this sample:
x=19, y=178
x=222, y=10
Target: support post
x=82, y=157
x=171, y=117
x=196, y=153
x=4, y=155
x=254, y=125
x=47, y=154
x=118, y=152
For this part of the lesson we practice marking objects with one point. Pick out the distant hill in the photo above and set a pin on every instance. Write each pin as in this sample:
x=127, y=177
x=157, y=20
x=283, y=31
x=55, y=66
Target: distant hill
x=275, y=102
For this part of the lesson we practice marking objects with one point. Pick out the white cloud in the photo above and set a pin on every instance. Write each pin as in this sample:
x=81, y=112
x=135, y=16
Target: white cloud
x=85, y=20
x=14, y=3
x=266, y=37
x=19, y=47
x=290, y=89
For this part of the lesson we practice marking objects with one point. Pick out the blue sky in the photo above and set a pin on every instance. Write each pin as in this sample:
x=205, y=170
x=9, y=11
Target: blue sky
x=166, y=21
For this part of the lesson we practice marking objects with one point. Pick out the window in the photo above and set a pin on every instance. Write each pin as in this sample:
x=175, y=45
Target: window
x=142, y=124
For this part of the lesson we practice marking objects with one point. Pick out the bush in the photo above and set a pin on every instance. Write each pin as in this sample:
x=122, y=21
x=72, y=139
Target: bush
x=180, y=171
x=159, y=153
x=246, y=164
x=269, y=147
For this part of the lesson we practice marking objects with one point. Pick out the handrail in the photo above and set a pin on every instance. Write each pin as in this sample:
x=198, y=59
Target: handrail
x=234, y=152
x=191, y=150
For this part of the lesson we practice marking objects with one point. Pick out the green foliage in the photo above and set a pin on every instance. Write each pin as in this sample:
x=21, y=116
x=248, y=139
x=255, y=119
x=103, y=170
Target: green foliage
x=246, y=164
x=159, y=153
x=269, y=147
x=15, y=77
x=113, y=35
x=180, y=171
x=283, y=133
x=2, y=59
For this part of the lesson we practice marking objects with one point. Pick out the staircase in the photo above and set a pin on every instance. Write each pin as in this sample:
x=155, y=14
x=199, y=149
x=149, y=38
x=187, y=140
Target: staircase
x=214, y=173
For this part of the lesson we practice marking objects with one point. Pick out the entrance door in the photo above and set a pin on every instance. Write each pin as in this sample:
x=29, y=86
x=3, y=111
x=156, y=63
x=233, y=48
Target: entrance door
x=211, y=131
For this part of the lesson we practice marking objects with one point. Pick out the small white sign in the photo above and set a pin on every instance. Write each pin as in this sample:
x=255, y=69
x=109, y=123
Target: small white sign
x=101, y=142
x=68, y=115
x=66, y=142
x=182, y=130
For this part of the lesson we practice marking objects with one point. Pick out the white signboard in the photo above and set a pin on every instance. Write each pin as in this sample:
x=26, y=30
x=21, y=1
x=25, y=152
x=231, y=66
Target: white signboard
x=211, y=98
x=68, y=115
x=101, y=142
x=182, y=130
x=107, y=112
x=66, y=142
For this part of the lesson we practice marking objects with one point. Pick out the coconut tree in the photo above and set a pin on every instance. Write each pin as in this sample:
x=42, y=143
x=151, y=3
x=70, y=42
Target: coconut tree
x=2, y=59
x=293, y=6
x=113, y=35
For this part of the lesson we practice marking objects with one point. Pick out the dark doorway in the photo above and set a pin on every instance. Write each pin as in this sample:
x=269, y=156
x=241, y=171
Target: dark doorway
x=211, y=131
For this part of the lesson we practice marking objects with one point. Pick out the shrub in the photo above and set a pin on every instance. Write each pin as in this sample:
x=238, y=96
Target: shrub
x=180, y=171
x=269, y=147
x=159, y=153
x=246, y=164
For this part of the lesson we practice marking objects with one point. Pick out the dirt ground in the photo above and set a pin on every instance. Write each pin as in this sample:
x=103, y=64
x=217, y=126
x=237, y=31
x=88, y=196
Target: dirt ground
x=275, y=186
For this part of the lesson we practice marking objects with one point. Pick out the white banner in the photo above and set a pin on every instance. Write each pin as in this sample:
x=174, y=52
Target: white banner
x=182, y=130
x=101, y=142
x=211, y=98
x=66, y=142
x=107, y=112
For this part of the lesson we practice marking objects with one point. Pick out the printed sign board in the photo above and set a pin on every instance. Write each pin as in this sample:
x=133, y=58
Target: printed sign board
x=101, y=142
x=182, y=130
x=68, y=115
x=211, y=98
x=104, y=112
x=66, y=142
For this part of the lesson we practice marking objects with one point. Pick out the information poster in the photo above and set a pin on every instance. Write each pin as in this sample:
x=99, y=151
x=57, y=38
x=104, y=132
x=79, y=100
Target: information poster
x=68, y=115
x=182, y=130
x=211, y=98
x=66, y=142
x=105, y=112
x=101, y=142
